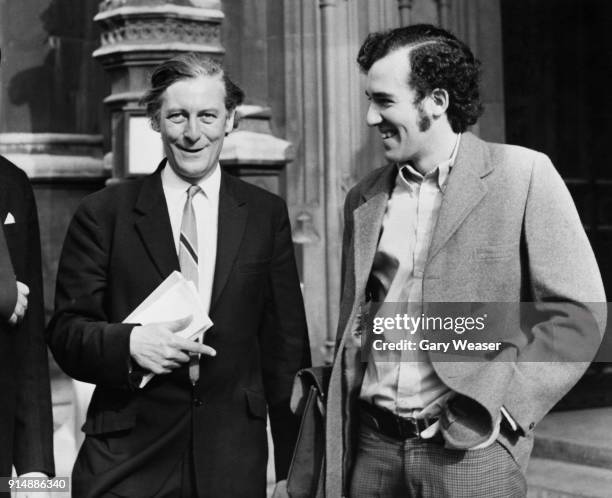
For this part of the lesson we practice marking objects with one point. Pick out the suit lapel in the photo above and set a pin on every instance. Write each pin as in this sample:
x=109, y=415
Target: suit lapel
x=232, y=221
x=368, y=219
x=154, y=225
x=464, y=190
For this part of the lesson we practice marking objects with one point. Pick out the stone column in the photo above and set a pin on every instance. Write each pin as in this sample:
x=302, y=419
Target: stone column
x=405, y=11
x=444, y=7
x=139, y=34
x=136, y=36
x=332, y=163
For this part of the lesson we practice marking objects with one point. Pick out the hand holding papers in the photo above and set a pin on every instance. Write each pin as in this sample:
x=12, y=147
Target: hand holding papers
x=172, y=317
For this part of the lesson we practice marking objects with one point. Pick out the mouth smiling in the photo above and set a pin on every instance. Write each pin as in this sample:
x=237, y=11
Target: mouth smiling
x=385, y=134
x=191, y=151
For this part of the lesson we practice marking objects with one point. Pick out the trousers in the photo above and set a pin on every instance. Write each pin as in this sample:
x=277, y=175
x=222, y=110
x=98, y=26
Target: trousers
x=423, y=468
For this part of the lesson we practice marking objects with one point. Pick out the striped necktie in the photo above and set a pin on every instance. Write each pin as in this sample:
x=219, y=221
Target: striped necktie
x=188, y=260
x=188, y=247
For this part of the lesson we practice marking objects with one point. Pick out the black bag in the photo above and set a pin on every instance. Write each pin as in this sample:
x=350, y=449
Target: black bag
x=306, y=472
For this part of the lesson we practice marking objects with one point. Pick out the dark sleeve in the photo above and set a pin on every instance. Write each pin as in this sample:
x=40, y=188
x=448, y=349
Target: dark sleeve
x=33, y=444
x=284, y=341
x=85, y=345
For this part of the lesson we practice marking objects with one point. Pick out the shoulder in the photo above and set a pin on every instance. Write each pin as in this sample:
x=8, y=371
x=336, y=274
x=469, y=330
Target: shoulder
x=517, y=159
x=12, y=174
x=252, y=194
x=112, y=199
x=522, y=171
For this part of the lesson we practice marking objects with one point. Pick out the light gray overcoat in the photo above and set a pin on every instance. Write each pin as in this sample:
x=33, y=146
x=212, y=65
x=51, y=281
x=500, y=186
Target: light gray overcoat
x=507, y=231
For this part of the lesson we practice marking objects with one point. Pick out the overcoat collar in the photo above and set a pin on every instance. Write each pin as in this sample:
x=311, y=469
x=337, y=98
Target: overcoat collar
x=464, y=189
x=368, y=222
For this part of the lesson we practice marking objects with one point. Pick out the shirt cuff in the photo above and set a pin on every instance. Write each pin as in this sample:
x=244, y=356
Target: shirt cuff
x=509, y=419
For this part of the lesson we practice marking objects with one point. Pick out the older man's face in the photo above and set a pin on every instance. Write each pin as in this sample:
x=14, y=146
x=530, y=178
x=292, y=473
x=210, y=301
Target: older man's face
x=193, y=122
x=402, y=124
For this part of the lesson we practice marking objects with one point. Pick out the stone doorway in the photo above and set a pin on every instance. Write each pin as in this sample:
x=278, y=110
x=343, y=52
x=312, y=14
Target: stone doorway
x=557, y=69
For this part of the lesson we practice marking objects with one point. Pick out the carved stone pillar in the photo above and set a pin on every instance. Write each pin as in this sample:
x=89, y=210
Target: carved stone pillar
x=136, y=36
x=139, y=34
x=332, y=163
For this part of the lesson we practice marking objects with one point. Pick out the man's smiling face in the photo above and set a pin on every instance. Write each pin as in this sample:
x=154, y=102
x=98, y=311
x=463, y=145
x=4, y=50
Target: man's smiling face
x=193, y=122
x=402, y=122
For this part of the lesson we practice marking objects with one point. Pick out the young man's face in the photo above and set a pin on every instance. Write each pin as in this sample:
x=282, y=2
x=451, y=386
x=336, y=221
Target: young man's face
x=402, y=124
x=193, y=122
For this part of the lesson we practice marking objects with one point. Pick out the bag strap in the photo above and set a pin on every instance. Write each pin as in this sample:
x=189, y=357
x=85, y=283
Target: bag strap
x=317, y=377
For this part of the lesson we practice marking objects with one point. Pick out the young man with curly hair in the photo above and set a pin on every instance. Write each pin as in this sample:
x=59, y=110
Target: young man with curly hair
x=451, y=218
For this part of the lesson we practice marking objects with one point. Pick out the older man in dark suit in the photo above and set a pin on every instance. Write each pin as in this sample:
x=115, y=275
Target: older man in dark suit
x=26, y=426
x=199, y=427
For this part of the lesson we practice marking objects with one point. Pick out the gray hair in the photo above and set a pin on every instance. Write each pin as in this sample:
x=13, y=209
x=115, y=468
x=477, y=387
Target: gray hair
x=181, y=67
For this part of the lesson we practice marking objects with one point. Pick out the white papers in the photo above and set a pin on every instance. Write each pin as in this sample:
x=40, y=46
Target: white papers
x=175, y=298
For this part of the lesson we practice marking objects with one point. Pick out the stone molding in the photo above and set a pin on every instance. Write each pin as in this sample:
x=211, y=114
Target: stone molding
x=252, y=148
x=55, y=156
x=164, y=27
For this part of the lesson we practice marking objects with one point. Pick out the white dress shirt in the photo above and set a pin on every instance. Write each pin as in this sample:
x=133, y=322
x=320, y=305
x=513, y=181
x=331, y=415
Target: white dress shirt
x=405, y=382
x=206, y=207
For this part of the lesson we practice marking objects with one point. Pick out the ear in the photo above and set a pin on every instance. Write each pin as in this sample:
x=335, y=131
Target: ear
x=229, y=121
x=439, y=102
x=155, y=123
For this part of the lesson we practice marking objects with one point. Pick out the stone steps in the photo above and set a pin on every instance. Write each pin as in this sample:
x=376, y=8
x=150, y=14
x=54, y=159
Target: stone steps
x=548, y=478
x=572, y=455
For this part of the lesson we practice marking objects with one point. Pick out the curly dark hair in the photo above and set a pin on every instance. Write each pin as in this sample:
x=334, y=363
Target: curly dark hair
x=438, y=59
x=181, y=67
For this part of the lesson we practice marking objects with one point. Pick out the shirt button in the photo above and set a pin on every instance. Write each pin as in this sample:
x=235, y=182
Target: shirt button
x=197, y=402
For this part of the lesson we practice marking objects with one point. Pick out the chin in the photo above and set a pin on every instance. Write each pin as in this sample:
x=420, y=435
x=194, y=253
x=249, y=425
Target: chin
x=390, y=156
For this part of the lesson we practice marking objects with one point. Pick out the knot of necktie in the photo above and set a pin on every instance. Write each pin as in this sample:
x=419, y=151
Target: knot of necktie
x=192, y=190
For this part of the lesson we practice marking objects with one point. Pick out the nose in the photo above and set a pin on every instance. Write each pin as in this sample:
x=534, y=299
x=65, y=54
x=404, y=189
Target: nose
x=192, y=130
x=373, y=116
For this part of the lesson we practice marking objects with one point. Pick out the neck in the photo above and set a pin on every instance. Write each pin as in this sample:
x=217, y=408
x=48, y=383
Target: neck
x=439, y=149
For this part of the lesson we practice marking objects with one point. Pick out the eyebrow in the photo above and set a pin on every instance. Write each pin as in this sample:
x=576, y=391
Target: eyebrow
x=379, y=95
x=199, y=111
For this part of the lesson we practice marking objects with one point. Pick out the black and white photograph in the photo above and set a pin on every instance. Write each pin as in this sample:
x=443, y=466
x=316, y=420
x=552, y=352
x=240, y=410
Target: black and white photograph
x=305, y=249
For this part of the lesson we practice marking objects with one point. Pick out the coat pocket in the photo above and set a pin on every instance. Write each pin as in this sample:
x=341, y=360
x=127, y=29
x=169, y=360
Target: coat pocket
x=108, y=422
x=497, y=252
x=110, y=431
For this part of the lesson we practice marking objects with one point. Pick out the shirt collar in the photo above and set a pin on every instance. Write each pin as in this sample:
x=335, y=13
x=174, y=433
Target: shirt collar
x=174, y=184
x=441, y=171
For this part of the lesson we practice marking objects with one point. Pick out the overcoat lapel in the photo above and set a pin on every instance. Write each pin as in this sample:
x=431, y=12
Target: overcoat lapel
x=154, y=226
x=232, y=222
x=367, y=220
x=464, y=190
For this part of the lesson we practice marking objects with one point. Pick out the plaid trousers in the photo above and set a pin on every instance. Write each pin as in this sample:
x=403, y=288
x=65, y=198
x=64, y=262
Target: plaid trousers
x=390, y=468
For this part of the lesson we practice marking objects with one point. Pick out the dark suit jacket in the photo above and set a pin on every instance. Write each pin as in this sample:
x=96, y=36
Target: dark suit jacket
x=118, y=249
x=26, y=429
x=507, y=232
